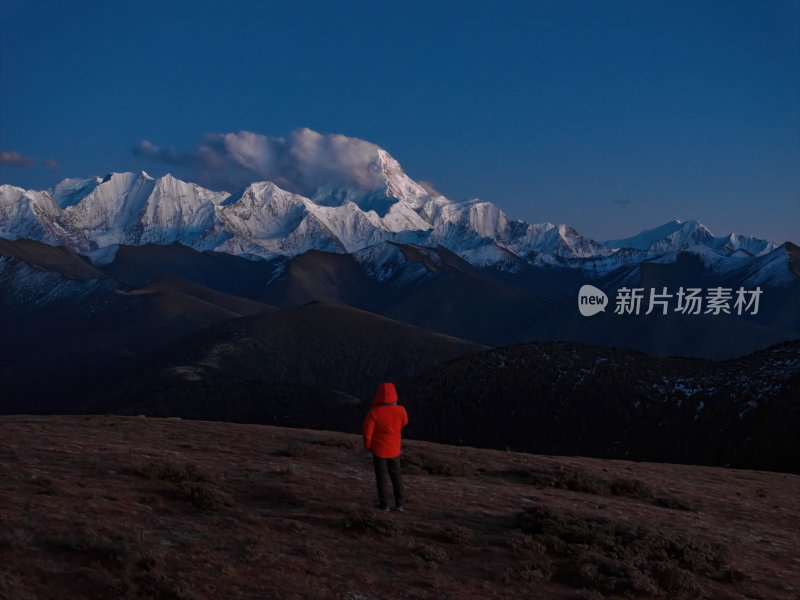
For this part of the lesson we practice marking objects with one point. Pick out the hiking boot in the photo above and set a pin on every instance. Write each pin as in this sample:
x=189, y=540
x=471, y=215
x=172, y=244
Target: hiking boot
x=383, y=507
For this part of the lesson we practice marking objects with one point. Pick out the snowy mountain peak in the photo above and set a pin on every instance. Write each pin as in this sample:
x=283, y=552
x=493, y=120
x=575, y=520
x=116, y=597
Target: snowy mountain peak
x=344, y=195
x=647, y=238
x=398, y=184
x=72, y=191
x=685, y=235
x=695, y=226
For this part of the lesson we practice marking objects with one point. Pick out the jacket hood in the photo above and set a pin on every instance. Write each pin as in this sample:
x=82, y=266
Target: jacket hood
x=386, y=394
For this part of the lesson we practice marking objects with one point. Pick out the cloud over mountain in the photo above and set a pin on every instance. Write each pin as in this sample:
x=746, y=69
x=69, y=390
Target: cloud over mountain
x=15, y=159
x=301, y=163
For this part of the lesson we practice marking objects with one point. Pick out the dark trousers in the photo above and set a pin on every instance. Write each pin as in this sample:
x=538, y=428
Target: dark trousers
x=386, y=469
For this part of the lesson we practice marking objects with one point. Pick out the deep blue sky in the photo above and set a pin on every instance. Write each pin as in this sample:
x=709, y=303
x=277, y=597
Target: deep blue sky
x=610, y=116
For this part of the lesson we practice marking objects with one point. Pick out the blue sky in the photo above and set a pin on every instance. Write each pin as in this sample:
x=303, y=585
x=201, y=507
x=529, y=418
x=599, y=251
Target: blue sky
x=609, y=116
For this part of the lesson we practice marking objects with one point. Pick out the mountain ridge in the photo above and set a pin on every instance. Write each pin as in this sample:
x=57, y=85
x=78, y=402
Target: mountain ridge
x=434, y=288
x=376, y=203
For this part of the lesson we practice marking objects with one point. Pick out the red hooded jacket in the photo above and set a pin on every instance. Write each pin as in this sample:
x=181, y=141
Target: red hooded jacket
x=384, y=422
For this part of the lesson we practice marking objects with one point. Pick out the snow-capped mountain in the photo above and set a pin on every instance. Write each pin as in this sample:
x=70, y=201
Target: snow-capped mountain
x=124, y=208
x=677, y=235
x=19, y=213
x=72, y=191
x=263, y=221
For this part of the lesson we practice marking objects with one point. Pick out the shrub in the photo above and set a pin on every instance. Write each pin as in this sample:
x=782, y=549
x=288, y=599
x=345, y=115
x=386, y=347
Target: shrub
x=631, y=488
x=525, y=544
x=366, y=521
x=430, y=553
x=418, y=461
x=88, y=541
x=17, y=538
x=201, y=494
x=611, y=556
x=538, y=570
x=296, y=449
x=457, y=534
x=674, y=503
x=557, y=477
x=172, y=472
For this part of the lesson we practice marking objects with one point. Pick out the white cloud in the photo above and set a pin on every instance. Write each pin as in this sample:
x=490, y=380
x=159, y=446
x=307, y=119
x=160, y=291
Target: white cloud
x=302, y=163
x=15, y=159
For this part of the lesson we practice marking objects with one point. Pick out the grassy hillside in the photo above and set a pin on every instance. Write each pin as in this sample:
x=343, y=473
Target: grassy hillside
x=130, y=508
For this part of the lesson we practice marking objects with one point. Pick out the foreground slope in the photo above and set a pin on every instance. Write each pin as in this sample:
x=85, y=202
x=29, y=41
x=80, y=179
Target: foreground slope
x=97, y=507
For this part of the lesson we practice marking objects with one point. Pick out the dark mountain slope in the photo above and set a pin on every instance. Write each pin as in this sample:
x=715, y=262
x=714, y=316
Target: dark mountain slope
x=137, y=265
x=309, y=366
x=326, y=277
x=793, y=251
x=563, y=398
x=431, y=288
x=236, y=304
x=50, y=258
x=61, y=357
x=318, y=345
x=471, y=307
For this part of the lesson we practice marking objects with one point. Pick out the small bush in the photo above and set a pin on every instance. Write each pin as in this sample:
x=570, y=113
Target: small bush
x=630, y=488
x=558, y=477
x=366, y=521
x=155, y=585
x=87, y=541
x=297, y=449
x=585, y=594
x=674, y=503
x=172, y=472
x=336, y=442
x=431, y=553
x=617, y=557
x=18, y=538
x=595, y=571
x=578, y=481
x=525, y=544
x=415, y=461
x=191, y=484
x=529, y=571
x=675, y=580
x=457, y=534
x=201, y=494
x=273, y=496
x=538, y=570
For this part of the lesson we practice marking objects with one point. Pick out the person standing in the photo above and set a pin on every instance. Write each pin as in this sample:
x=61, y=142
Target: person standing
x=382, y=435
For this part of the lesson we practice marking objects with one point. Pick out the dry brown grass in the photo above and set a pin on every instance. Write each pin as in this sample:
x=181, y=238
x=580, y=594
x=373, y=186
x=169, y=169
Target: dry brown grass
x=102, y=508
